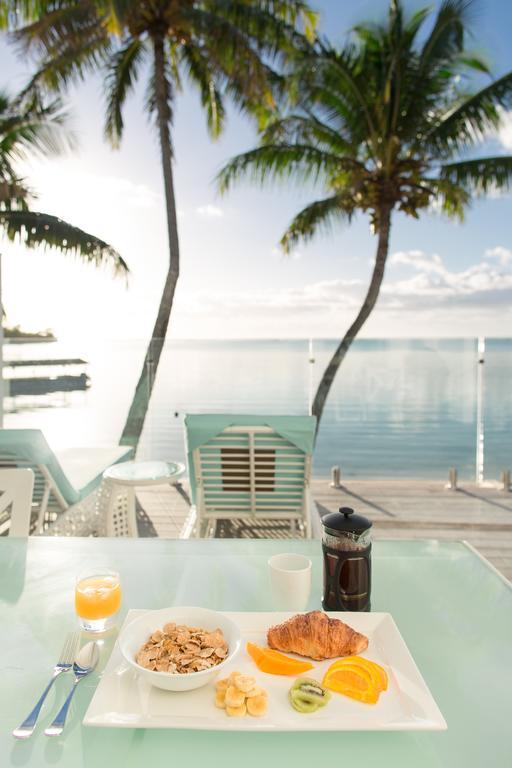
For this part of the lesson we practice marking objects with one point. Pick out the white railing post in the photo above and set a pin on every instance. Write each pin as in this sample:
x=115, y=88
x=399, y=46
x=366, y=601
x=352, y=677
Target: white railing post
x=311, y=361
x=479, y=464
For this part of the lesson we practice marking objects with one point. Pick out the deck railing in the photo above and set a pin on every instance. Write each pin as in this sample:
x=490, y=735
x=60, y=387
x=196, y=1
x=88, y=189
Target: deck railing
x=401, y=408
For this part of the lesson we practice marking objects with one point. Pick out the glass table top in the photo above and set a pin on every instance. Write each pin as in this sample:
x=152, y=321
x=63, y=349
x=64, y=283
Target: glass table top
x=144, y=472
x=453, y=610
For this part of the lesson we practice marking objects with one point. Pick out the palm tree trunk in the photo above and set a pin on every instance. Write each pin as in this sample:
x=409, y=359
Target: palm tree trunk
x=370, y=300
x=140, y=402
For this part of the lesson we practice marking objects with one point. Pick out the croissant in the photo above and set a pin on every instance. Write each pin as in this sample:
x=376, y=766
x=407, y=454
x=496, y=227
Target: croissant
x=317, y=636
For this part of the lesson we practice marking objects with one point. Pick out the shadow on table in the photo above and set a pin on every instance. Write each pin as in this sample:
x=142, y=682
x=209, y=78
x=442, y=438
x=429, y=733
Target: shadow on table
x=12, y=569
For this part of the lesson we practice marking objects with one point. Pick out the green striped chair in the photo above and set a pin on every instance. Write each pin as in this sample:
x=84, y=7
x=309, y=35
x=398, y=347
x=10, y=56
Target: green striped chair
x=251, y=469
x=64, y=481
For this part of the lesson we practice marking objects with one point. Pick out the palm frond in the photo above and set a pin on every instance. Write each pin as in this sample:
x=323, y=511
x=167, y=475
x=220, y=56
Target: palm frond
x=52, y=25
x=307, y=128
x=271, y=26
x=202, y=74
x=448, y=197
x=481, y=176
x=14, y=193
x=230, y=52
x=446, y=38
x=40, y=229
x=320, y=215
x=471, y=120
x=280, y=162
x=67, y=40
x=120, y=79
x=342, y=82
x=31, y=126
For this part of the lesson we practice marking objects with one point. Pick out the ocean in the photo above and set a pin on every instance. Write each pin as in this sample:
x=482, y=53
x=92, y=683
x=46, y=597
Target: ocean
x=398, y=408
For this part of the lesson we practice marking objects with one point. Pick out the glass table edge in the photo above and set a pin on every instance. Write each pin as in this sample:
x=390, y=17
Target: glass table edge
x=487, y=563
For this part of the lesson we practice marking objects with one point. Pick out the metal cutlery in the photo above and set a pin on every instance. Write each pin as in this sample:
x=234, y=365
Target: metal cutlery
x=64, y=664
x=85, y=663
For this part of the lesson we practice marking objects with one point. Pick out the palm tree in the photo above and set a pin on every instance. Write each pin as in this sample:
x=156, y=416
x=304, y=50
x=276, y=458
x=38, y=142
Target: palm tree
x=386, y=124
x=223, y=47
x=29, y=127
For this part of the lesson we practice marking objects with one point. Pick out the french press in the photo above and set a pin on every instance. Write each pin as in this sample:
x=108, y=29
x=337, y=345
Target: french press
x=346, y=544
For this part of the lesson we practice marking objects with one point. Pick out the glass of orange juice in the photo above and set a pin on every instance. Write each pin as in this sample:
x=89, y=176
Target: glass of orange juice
x=97, y=600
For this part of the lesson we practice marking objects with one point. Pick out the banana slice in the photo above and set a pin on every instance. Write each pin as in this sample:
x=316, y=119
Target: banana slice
x=257, y=705
x=245, y=682
x=220, y=699
x=238, y=694
x=256, y=691
x=234, y=697
x=236, y=711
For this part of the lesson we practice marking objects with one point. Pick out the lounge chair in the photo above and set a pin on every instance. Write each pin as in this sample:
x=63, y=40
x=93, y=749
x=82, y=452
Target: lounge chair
x=16, y=489
x=250, y=468
x=63, y=479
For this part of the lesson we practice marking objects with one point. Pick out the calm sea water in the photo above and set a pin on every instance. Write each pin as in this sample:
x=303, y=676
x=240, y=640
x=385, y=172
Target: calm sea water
x=398, y=408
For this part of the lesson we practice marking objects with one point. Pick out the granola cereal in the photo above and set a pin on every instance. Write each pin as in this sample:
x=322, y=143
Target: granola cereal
x=179, y=649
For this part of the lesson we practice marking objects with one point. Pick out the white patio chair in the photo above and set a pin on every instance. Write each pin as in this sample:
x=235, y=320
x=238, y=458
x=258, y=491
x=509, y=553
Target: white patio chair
x=16, y=489
x=64, y=481
x=250, y=468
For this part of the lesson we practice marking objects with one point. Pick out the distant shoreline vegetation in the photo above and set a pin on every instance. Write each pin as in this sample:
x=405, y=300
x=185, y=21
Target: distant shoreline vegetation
x=16, y=335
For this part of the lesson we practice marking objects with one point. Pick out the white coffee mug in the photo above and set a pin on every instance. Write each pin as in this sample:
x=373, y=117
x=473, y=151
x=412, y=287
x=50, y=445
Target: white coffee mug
x=290, y=577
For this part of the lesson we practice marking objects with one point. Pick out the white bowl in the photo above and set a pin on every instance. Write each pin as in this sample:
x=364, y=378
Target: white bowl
x=135, y=634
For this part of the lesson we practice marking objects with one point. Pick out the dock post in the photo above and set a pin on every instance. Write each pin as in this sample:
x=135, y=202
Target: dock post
x=479, y=462
x=505, y=479
x=335, y=477
x=452, y=479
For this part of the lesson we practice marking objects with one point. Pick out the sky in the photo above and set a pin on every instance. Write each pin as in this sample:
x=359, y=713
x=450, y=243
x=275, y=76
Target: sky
x=443, y=279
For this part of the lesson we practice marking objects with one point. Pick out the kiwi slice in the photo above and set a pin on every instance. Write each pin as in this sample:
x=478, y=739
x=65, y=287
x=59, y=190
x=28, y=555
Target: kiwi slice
x=307, y=695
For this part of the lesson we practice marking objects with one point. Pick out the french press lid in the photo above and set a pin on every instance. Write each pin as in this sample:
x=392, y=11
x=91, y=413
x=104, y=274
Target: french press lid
x=345, y=521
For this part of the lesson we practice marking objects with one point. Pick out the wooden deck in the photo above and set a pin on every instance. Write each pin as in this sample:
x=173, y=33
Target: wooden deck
x=416, y=509
x=398, y=509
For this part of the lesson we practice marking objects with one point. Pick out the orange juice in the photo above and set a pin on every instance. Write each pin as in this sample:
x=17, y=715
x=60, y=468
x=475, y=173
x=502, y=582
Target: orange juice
x=98, y=597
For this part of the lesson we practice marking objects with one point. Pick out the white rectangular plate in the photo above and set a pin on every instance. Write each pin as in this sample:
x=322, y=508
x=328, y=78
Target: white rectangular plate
x=123, y=700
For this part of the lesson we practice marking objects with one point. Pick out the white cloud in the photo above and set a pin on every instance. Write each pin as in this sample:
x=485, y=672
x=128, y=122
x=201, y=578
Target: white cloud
x=210, y=211
x=482, y=285
x=504, y=255
x=478, y=285
x=327, y=295
x=432, y=301
x=418, y=259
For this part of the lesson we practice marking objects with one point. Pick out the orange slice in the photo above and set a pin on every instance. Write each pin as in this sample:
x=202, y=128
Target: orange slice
x=352, y=675
x=378, y=673
x=275, y=663
x=352, y=680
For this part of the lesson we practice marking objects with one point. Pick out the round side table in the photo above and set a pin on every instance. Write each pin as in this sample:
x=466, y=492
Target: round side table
x=116, y=496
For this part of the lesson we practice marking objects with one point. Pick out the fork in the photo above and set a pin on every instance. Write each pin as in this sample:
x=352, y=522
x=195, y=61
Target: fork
x=64, y=664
